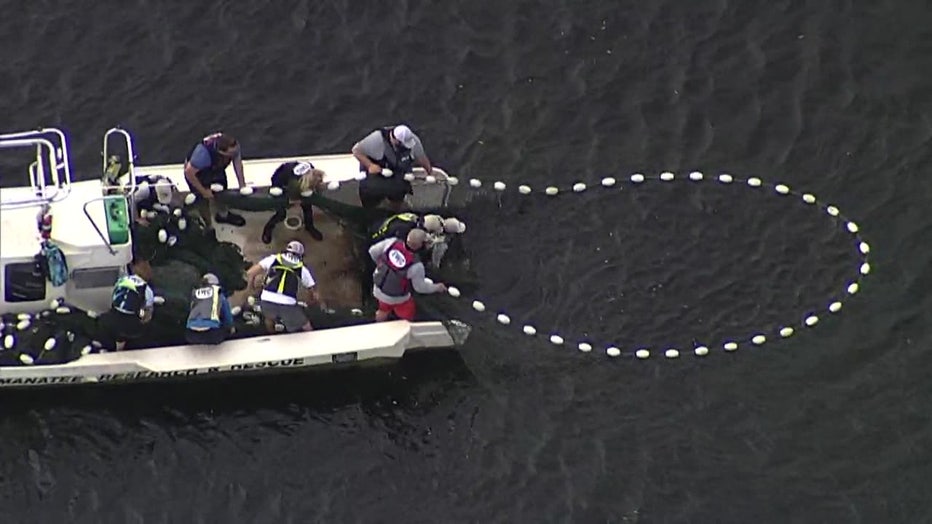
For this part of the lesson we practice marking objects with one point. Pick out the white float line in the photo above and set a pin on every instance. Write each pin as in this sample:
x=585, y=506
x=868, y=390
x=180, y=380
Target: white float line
x=730, y=345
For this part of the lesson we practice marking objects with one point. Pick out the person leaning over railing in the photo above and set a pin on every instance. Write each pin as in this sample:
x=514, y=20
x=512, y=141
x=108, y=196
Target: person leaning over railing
x=206, y=165
x=396, y=148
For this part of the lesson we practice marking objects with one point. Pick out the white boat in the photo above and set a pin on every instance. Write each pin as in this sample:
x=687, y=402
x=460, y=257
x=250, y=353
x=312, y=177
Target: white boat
x=92, y=225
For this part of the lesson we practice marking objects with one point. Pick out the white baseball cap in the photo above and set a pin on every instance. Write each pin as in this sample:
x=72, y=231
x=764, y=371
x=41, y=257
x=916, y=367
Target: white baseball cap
x=433, y=223
x=295, y=247
x=163, y=191
x=404, y=135
x=453, y=225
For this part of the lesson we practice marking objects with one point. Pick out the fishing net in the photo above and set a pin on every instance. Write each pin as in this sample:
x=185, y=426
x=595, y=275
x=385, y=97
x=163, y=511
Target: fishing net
x=172, y=249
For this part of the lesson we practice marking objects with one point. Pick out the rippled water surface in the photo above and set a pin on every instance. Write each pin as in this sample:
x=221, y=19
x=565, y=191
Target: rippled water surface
x=830, y=425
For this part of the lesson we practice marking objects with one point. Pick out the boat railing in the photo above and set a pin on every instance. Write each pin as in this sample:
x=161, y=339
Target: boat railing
x=49, y=173
x=113, y=185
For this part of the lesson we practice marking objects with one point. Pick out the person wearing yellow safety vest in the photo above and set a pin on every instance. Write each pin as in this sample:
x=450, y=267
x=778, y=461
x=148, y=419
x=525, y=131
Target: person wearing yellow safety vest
x=210, y=320
x=131, y=306
x=286, y=274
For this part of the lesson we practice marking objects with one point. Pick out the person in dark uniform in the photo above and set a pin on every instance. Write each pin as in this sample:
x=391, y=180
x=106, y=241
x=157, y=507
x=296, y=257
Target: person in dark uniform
x=399, y=224
x=396, y=148
x=151, y=190
x=295, y=179
x=132, y=304
x=205, y=165
x=210, y=319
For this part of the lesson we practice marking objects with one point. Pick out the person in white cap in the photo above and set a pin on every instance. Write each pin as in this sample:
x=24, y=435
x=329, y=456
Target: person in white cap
x=396, y=148
x=294, y=178
x=398, y=270
x=151, y=190
x=285, y=274
x=210, y=318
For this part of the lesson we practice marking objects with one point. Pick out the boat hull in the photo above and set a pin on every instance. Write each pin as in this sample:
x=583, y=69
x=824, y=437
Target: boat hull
x=369, y=343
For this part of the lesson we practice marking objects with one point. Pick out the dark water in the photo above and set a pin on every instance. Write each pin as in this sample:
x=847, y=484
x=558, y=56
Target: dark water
x=831, y=425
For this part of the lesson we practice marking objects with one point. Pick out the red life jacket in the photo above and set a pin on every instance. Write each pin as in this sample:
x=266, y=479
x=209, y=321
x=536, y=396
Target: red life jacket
x=391, y=270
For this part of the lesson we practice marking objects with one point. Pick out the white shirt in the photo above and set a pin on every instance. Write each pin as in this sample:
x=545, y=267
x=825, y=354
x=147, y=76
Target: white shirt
x=307, y=280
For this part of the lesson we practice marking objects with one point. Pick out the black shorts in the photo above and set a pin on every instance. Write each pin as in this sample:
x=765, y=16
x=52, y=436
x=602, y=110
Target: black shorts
x=209, y=177
x=120, y=327
x=375, y=188
x=211, y=336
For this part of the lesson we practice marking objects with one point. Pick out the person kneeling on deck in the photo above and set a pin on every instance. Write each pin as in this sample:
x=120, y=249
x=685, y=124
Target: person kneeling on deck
x=294, y=179
x=398, y=270
x=398, y=226
x=131, y=306
x=151, y=191
x=396, y=148
x=210, y=320
x=206, y=165
x=437, y=228
x=285, y=274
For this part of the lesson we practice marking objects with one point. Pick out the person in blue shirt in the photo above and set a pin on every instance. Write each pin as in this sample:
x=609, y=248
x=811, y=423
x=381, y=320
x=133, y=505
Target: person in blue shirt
x=210, y=320
x=205, y=165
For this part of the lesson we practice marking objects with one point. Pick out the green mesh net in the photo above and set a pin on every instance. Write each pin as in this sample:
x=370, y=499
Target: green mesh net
x=177, y=249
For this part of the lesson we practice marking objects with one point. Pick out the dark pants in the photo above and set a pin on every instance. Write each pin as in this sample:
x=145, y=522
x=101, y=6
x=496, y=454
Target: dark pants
x=279, y=216
x=207, y=177
x=120, y=328
x=376, y=188
x=211, y=336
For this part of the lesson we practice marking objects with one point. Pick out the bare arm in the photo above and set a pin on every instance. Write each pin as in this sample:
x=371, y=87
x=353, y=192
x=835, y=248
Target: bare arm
x=190, y=174
x=238, y=169
x=425, y=163
x=371, y=166
x=251, y=275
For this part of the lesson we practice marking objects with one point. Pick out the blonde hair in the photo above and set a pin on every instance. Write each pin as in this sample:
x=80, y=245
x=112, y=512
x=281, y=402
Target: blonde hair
x=312, y=180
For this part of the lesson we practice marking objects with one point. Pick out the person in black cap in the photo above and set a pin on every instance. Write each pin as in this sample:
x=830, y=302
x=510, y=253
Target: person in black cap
x=295, y=179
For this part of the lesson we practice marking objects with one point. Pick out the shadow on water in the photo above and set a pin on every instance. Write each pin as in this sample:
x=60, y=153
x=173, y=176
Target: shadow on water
x=409, y=383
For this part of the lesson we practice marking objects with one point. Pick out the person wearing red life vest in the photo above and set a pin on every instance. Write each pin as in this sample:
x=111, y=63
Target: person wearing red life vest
x=399, y=270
